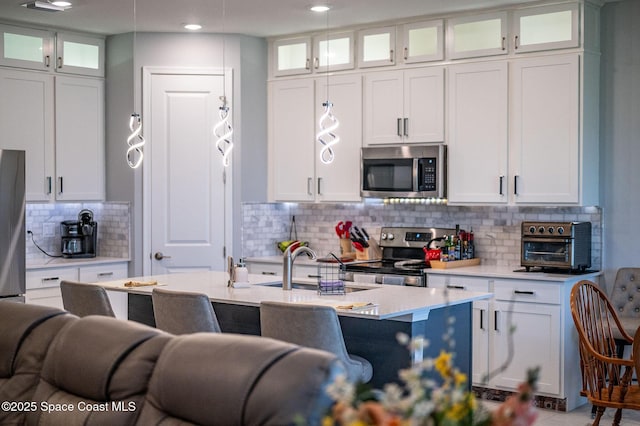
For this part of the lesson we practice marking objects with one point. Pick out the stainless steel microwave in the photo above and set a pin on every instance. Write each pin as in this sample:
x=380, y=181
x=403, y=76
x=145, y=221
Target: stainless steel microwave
x=404, y=171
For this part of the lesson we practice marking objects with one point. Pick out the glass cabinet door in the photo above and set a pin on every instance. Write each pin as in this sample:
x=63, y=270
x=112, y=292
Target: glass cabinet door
x=77, y=54
x=376, y=47
x=25, y=47
x=333, y=52
x=480, y=35
x=547, y=27
x=423, y=41
x=292, y=56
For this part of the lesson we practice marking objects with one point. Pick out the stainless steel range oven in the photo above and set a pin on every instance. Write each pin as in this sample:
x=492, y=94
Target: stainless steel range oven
x=556, y=245
x=403, y=257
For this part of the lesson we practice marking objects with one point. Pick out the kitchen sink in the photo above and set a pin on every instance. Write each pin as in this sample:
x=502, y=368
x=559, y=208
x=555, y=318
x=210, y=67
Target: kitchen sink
x=314, y=287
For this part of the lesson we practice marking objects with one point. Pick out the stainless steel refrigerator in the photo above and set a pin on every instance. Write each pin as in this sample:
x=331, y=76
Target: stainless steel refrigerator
x=12, y=225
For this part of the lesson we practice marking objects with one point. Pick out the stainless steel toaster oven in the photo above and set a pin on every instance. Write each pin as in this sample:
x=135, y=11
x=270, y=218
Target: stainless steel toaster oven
x=557, y=245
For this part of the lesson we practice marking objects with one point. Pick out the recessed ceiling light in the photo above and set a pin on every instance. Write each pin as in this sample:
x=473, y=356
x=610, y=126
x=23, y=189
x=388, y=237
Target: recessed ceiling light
x=61, y=3
x=192, y=27
x=320, y=8
x=44, y=5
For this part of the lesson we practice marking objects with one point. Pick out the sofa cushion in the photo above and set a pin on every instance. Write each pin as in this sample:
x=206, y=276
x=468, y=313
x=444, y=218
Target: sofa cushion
x=27, y=331
x=227, y=379
x=96, y=360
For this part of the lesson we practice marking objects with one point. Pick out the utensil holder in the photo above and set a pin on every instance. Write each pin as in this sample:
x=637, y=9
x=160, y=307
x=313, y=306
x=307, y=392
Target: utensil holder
x=372, y=252
x=345, y=246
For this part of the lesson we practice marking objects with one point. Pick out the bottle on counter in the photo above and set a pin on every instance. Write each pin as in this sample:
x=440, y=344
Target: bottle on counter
x=471, y=249
x=457, y=245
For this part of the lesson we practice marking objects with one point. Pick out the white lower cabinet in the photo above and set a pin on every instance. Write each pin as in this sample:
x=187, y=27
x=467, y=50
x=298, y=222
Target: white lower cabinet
x=526, y=324
x=43, y=285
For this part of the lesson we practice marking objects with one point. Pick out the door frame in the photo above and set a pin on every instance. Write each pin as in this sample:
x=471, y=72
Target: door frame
x=147, y=73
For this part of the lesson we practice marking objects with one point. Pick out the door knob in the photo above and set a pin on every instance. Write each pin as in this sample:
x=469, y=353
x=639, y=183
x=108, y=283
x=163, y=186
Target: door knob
x=160, y=256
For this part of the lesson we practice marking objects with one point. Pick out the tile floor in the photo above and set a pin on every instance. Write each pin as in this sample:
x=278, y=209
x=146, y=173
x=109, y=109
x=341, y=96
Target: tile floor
x=581, y=416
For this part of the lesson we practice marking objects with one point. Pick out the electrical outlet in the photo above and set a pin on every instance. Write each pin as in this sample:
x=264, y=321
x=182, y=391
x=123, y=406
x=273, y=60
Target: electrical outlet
x=48, y=229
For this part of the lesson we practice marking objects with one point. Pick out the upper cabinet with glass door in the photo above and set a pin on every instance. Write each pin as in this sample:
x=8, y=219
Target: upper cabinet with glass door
x=423, y=41
x=546, y=27
x=79, y=54
x=477, y=35
x=333, y=52
x=376, y=47
x=26, y=47
x=292, y=56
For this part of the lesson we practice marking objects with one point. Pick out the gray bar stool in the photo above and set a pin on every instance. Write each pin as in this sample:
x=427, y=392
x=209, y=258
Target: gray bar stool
x=181, y=312
x=84, y=299
x=315, y=327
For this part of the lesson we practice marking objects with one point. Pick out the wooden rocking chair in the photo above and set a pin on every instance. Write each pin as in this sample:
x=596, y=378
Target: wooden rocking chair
x=606, y=377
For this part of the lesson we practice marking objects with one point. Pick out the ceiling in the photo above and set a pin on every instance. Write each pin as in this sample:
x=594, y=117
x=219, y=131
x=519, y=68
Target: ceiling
x=261, y=18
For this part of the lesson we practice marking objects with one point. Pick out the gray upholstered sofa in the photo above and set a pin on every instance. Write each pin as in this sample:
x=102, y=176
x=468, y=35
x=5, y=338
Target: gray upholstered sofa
x=58, y=369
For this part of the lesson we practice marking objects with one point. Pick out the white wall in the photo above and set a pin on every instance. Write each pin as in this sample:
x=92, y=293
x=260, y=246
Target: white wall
x=620, y=135
x=245, y=55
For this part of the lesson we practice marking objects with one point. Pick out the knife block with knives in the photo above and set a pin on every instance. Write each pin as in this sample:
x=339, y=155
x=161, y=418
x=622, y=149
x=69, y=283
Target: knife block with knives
x=372, y=252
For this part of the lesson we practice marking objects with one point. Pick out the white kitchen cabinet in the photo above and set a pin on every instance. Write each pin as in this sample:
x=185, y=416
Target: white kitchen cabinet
x=477, y=35
x=103, y=272
x=333, y=52
x=527, y=319
x=376, y=47
x=297, y=174
x=404, y=106
x=26, y=47
x=546, y=27
x=477, y=145
x=43, y=285
x=79, y=54
x=27, y=123
x=67, y=127
x=545, y=130
x=423, y=41
x=80, y=160
x=291, y=56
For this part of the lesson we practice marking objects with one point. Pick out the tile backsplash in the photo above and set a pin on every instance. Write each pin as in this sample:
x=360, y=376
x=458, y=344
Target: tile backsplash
x=43, y=219
x=496, y=229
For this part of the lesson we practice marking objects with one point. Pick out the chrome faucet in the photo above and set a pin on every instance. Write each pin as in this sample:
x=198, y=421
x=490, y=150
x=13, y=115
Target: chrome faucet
x=287, y=264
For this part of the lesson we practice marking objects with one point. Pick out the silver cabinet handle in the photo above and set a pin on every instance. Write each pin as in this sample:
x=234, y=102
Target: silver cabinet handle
x=406, y=127
x=495, y=321
x=481, y=319
x=456, y=287
x=306, y=65
x=504, y=45
x=399, y=125
x=319, y=187
x=61, y=189
x=316, y=63
x=47, y=61
x=268, y=273
x=501, y=180
x=309, y=186
x=160, y=256
x=59, y=63
x=406, y=53
x=105, y=274
x=516, y=42
x=391, y=55
x=48, y=185
x=44, y=280
x=515, y=185
x=527, y=292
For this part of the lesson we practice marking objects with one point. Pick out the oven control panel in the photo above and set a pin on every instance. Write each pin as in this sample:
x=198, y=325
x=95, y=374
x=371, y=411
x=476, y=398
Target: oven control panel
x=546, y=229
x=411, y=237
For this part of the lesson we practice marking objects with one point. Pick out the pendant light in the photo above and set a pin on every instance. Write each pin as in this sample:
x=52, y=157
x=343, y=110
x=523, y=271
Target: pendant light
x=223, y=129
x=328, y=122
x=135, y=141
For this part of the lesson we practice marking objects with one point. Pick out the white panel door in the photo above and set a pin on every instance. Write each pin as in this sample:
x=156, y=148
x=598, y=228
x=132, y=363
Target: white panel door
x=423, y=105
x=26, y=123
x=186, y=189
x=478, y=131
x=339, y=180
x=383, y=107
x=544, y=132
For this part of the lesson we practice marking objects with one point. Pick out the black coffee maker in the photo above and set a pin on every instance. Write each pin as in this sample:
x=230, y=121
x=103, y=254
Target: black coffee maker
x=79, y=237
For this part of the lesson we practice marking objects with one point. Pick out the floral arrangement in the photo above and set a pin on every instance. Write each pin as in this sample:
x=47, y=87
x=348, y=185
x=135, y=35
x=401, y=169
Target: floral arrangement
x=424, y=401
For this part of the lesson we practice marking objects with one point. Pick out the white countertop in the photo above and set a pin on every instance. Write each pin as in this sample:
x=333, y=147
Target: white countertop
x=397, y=303
x=506, y=272
x=61, y=262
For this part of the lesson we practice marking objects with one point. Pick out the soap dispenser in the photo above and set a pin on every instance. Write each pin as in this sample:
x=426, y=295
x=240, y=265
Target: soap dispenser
x=242, y=273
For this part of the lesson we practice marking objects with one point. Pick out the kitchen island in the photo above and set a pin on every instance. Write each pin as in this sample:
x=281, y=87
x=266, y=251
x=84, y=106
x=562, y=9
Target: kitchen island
x=369, y=332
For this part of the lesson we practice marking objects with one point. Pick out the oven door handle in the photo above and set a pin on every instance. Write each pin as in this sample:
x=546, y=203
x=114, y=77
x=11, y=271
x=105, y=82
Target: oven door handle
x=546, y=240
x=548, y=253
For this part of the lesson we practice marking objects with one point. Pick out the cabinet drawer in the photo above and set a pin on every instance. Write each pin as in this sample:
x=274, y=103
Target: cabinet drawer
x=50, y=277
x=528, y=291
x=458, y=282
x=107, y=272
x=49, y=296
x=311, y=271
x=265, y=268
